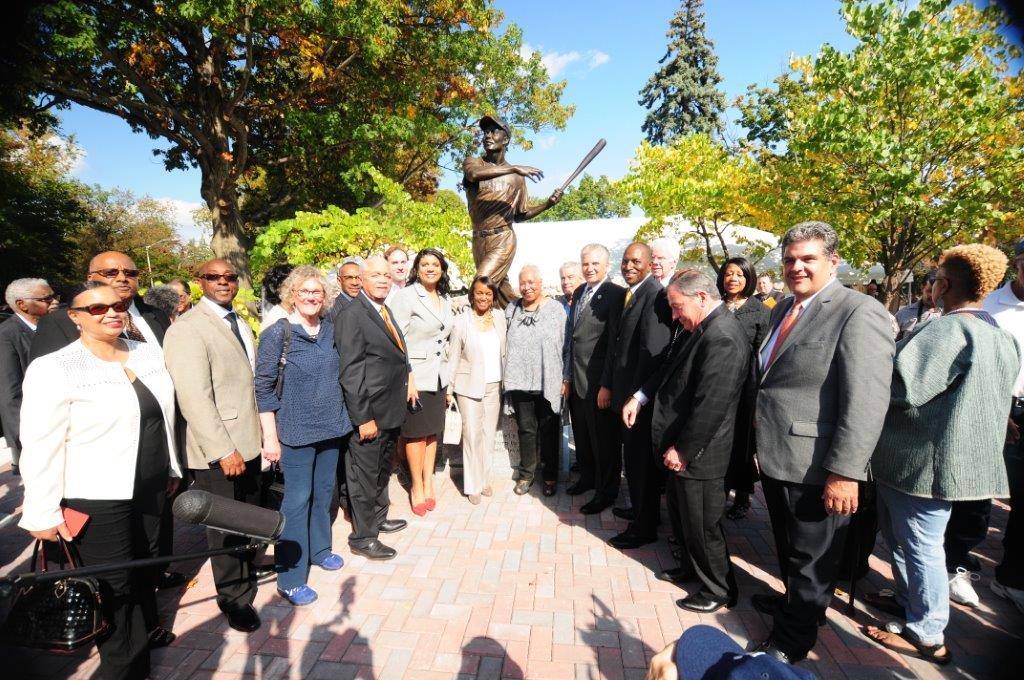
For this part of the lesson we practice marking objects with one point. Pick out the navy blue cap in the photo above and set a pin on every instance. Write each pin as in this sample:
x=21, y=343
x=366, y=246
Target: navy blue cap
x=1019, y=248
x=706, y=653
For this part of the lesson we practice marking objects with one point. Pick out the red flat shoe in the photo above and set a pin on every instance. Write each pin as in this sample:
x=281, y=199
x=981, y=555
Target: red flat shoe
x=420, y=509
x=430, y=503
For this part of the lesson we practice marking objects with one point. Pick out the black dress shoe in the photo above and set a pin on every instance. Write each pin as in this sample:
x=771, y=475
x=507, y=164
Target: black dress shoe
x=170, y=579
x=767, y=604
x=677, y=554
x=768, y=647
x=579, y=488
x=244, y=619
x=521, y=487
x=390, y=526
x=624, y=513
x=627, y=540
x=374, y=550
x=595, y=506
x=678, y=576
x=264, y=570
x=705, y=604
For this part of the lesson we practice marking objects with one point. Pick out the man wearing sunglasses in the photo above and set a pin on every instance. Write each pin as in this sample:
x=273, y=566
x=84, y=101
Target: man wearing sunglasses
x=30, y=300
x=145, y=323
x=209, y=353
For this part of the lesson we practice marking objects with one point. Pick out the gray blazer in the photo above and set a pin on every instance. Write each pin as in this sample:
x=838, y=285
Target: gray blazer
x=465, y=355
x=426, y=332
x=821, y=404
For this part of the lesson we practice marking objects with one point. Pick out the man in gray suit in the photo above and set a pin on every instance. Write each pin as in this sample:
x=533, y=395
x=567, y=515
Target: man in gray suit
x=824, y=375
x=30, y=300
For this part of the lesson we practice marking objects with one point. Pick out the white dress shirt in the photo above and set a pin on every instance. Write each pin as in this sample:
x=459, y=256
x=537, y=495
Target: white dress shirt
x=766, y=350
x=143, y=327
x=25, y=321
x=223, y=312
x=1008, y=311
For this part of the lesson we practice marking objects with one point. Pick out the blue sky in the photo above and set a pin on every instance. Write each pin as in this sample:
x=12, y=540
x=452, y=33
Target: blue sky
x=604, y=50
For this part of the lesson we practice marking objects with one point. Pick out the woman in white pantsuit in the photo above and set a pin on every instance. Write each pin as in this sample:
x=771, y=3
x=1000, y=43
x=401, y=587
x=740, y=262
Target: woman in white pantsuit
x=475, y=355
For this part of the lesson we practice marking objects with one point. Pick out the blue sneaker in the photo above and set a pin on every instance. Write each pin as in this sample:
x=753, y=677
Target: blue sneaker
x=332, y=562
x=299, y=595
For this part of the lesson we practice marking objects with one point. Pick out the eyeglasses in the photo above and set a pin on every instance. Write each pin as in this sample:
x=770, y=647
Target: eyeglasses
x=211, y=277
x=99, y=309
x=45, y=298
x=316, y=294
x=112, y=273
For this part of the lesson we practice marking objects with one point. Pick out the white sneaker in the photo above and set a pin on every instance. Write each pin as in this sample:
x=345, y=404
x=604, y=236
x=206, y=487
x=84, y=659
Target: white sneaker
x=1014, y=595
x=960, y=589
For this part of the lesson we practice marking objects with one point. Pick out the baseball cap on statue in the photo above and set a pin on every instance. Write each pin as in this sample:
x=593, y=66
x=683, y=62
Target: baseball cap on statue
x=496, y=120
x=706, y=653
x=1018, y=249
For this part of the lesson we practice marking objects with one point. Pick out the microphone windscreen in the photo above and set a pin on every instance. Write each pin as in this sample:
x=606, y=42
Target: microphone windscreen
x=216, y=512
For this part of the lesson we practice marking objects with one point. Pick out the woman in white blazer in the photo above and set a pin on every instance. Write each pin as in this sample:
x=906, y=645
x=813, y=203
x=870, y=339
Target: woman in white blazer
x=476, y=354
x=98, y=438
x=423, y=312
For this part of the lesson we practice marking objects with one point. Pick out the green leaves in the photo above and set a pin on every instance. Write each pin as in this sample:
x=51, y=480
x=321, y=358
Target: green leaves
x=590, y=199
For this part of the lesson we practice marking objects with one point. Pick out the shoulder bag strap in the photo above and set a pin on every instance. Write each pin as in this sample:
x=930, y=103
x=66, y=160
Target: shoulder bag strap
x=282, y=361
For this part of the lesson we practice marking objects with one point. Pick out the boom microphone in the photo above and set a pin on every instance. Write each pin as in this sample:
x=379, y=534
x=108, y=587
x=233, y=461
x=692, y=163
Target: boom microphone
x=216, y=512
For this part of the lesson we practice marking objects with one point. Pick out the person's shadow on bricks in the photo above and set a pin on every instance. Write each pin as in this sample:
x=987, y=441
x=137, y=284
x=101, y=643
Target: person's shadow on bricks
x=615, y=648
x=485, y=657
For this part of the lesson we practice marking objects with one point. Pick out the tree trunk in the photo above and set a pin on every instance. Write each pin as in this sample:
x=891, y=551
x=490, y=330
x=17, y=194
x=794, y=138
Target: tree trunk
x=891, y=286
x=229, y=241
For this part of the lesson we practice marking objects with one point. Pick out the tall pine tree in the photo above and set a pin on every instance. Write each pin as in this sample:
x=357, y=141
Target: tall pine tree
x=683, y=96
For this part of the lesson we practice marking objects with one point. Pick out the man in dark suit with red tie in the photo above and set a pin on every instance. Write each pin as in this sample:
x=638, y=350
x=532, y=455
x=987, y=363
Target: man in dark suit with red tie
x=375, y=380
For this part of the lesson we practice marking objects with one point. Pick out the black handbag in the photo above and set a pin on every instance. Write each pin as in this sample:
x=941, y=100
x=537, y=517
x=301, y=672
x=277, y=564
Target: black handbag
x=59, y=615
x=282, y=361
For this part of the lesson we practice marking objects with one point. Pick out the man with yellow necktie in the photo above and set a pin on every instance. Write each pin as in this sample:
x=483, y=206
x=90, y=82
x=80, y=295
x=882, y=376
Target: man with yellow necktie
x=375, y=380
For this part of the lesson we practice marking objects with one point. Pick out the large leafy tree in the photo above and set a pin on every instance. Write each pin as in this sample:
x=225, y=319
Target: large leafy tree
x=683, y=95
x=910, y=142
x=697, y=179
x=277, y=99
x=592, y=198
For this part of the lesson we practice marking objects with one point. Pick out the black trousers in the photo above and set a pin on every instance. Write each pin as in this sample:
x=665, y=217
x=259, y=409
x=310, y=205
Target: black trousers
x=598, y=446
x=233, y=575
x=645, y=473
x=339, y=499
x=119, y=531
x=809, y=542
x=367, y=471
x=701, y=504
x=1010, y=571
x=540, y=436
x=967, y=528
x=675, y=509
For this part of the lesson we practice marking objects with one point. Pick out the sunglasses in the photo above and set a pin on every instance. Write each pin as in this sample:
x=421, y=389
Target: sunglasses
x=230, y=278
x=112, y=273
x=45, y=298
x=99, y=309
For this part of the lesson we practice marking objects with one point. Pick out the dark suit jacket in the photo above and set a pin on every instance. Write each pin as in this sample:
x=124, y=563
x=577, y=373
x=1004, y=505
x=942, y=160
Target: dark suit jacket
x=374, y=369
x=56, y=330
x=695, y=406
x=588, y=337
x=641, y=343
x=340, y=303
x=15, y=338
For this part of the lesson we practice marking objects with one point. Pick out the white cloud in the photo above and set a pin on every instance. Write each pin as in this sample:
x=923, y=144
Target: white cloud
x=546, y=142
x=598, y=58
x=184, y=222
x=553, y=62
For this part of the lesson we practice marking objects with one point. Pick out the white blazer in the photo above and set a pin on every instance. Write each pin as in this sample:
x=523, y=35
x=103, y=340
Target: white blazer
x=426, y=332
x=465, y=354
x=80, y=428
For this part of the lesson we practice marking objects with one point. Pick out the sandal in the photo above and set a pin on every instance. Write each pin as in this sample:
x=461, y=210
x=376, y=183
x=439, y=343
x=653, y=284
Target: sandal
x=885, y=600
x=737, y=511
x=160, y=637
x=549, y=488
x=900, y=643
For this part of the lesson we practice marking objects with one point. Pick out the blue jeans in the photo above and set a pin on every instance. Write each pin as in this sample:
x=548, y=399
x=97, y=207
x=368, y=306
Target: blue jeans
x=913, y=528
x=309, y=478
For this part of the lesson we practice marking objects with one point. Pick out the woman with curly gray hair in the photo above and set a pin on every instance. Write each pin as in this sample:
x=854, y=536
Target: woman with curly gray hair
x=942, y=442
x=304, y=423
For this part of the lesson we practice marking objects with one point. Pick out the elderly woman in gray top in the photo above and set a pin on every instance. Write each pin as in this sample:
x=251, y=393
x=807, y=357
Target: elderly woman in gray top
x=533, y=378
x=423, y=311
x=942, y=441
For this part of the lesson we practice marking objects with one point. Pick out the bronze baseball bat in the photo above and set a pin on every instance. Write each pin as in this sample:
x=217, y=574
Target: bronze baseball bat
x=584, y=163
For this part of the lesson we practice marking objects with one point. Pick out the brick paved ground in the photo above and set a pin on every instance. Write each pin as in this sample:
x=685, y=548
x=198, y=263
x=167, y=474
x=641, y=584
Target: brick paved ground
x=516, y=587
